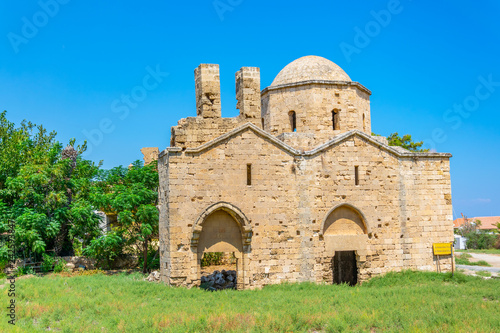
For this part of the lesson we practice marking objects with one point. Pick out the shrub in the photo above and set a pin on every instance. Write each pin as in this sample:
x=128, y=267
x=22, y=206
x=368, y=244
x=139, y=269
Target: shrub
x=77, y=248
x=60, y=266
x=480, y=240
x=26, y=270
x=105, y=248
x=47, y=263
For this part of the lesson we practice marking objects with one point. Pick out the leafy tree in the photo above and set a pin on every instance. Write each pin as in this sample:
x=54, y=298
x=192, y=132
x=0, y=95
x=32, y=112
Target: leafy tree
x=406, y=142
x=105, y=248
x=44, y=189
x=131, y=194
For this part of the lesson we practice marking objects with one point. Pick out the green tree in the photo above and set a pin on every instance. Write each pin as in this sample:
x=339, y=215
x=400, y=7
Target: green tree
x=44, y=189
x=131, y=194
x=406, y=142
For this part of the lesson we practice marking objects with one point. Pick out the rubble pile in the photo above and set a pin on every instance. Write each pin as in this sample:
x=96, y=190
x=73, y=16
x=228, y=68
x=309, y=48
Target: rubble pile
x=219, y=280
x=154, y=277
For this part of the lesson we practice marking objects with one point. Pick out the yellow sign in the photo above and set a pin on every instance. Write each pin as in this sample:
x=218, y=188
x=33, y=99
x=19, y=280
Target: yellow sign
x=442, y=249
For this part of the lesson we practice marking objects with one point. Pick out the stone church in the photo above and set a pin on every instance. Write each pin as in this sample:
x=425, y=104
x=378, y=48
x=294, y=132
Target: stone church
x=296, y=187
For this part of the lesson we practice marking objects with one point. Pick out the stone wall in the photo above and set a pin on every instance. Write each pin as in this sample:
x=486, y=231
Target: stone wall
x=402, y=200
x=207, y=125
x=287, y=203
x=313, y=104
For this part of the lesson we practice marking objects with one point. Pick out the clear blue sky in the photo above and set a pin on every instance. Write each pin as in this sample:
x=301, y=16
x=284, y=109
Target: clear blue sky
x=432, y=67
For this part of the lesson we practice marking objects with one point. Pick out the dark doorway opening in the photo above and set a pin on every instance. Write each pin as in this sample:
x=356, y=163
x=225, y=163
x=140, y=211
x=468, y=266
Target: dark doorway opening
x=344, y=267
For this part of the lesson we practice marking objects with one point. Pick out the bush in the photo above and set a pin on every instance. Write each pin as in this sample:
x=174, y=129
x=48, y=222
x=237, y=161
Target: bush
x=60, y=266
x=105, y=248
x=47, y=263
x=26, y=270
x=77, y=248
x=480, y=240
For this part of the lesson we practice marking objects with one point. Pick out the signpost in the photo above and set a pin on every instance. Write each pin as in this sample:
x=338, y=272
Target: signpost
x=444, y=249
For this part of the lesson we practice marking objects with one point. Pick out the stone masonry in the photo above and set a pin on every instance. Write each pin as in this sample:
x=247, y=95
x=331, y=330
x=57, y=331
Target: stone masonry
x=295, y=183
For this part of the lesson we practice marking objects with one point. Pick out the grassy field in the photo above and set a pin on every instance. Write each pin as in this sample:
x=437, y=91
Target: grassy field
x=399, y=302
x=489, y=251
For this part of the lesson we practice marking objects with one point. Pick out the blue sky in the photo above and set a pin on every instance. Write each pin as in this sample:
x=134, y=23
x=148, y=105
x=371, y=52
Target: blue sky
x=432, y=68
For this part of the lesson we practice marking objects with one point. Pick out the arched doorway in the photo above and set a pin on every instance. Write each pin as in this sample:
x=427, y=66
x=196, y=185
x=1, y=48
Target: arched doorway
x=223, y=228
x=345, y=234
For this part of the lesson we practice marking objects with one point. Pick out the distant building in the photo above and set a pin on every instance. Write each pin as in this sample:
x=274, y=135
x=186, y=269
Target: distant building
x=487, y=222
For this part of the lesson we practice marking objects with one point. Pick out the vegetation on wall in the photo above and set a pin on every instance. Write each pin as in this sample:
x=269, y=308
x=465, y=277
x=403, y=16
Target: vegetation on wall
x=405, y=142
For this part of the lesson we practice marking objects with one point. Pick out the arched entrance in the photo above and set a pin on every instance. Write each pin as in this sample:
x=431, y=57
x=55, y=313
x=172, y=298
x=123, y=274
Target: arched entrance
x=223, y=228
x=345, y=234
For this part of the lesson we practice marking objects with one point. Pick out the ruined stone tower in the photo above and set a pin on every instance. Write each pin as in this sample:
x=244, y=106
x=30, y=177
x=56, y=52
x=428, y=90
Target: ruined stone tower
x=295, y=187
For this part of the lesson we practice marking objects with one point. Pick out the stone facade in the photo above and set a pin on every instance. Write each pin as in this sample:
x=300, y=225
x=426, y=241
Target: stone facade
x=290, y=194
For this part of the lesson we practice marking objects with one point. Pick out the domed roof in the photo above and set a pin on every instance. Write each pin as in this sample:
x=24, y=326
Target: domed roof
x=310, y=68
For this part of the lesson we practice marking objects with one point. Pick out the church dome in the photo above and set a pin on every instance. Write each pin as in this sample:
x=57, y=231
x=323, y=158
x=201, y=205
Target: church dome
x=310, y=68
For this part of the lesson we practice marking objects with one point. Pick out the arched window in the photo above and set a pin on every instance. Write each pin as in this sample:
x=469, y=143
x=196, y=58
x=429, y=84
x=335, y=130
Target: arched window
x=335, y=119
x=293, y=121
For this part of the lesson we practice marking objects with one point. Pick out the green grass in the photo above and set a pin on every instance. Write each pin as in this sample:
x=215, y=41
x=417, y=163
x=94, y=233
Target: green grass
x=488, y=251
x=399, y=302
x=483, y=273
x=463, y=259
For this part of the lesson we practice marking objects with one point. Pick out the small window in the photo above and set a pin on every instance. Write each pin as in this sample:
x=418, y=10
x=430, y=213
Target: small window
x=293, y=121
x=364, y=123
x=262, y=120
x=356, y=175
x=249, y=174
x=335, y=119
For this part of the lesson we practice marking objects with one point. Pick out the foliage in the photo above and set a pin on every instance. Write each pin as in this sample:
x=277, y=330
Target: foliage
x=468, y=227
x=406, y=142
x=44, y=189
x=480, y=240
x=412, y=302
x=47, y=263
x=60, y=266
x=25, y=270
x=105, y=248
x=132, y=194
x=77, y=248
x=211, y=258
x=153, y=261
x=476, y=238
